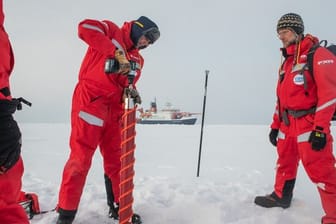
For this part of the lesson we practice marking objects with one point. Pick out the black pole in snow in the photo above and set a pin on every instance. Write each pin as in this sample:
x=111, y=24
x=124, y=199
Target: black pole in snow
x=202, y=125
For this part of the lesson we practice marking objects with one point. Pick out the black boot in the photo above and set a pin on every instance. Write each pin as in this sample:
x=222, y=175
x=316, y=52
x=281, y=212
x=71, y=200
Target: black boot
x=114, y=211
x=272, y=200
x=114, y=207
x=136, y=219
x=109, y=192
x=65, y=216
x=64, y=220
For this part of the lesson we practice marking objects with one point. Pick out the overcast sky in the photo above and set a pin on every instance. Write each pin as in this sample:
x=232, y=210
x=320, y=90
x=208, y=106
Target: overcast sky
x=235, y=40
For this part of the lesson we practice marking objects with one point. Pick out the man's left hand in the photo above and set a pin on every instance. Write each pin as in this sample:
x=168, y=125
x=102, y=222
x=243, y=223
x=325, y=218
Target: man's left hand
x=133, y=93
x=318, y=140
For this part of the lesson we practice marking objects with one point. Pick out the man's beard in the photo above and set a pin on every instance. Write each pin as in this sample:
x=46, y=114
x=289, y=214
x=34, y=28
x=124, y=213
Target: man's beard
x=142, y=47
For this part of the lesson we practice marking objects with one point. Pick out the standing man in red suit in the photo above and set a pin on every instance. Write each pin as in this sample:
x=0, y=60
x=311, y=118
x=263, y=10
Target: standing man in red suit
x=11, y=165
x=97, y=106
x=301, y=123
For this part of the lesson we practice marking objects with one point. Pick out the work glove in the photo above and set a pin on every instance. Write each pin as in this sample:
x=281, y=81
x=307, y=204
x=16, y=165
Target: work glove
x=273, y=136
x=9, y=161
x=10, y=143
x=124, y=64
x=318, y=140
x=133, y=93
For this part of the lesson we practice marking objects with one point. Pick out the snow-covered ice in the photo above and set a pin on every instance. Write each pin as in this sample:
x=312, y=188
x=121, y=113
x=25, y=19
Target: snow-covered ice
x=237, y=164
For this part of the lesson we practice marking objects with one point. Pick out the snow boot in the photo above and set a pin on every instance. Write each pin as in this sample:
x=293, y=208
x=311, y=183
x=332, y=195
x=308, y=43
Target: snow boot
x=272, y=200
x=114, y=207
x=114, y=213
x=136, y=219
x=65, y=216
x=65, y=219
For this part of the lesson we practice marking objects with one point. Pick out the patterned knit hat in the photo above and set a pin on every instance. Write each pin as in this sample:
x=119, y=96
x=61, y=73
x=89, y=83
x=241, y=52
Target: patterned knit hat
x=292, y=21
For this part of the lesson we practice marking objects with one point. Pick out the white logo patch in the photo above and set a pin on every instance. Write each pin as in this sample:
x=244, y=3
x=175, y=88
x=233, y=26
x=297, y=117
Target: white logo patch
x=323, y=62
x=321, y=185
x=298, y=79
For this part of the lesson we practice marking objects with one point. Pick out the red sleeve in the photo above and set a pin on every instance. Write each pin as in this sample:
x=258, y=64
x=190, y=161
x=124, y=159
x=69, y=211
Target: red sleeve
x=325, y=79
x=6, y=58
x=276, y=116
x=276, y=121
x=99, y=35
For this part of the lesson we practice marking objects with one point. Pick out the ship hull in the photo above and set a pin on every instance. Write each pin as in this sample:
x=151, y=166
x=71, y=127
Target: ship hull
x=185, y=121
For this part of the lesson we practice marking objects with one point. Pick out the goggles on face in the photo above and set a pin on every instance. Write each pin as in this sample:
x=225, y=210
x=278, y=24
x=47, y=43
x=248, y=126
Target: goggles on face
x=152, y=34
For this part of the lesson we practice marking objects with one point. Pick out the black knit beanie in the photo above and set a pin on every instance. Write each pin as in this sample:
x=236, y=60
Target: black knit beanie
x=141, y=26
x=292, y=21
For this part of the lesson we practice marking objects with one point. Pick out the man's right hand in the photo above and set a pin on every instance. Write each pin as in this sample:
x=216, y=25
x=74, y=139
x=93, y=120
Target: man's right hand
x=10, y=142
x=124, y=64
x=10, y=161
x=273, y=136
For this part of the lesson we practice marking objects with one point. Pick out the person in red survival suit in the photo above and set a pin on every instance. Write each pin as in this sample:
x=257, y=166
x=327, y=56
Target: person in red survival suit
x=97, y=106
x=11, y=165
x=301, y=123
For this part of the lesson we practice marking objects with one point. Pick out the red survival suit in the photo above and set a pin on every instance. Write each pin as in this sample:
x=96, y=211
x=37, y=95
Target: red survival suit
x=10, y=181
x=298, y=90
x=97, y=109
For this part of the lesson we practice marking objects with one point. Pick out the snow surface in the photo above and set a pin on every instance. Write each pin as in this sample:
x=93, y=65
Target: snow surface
x=237, y=164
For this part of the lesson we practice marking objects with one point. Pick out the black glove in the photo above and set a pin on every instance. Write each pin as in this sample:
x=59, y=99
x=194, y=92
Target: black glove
x=10, y=143
x=133, y=93
x=10, y=160
x=318, y=140
x=273, y=136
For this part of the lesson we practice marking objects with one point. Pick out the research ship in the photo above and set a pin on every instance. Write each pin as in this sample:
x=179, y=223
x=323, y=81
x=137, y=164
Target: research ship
x=167, y=115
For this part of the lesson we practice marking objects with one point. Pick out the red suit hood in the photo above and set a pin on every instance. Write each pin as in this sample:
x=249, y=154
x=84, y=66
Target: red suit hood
x=307, y=42
x=126, y=31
